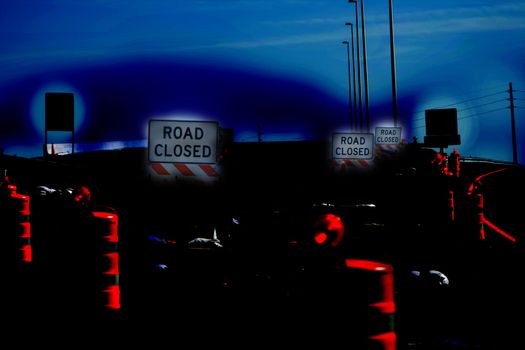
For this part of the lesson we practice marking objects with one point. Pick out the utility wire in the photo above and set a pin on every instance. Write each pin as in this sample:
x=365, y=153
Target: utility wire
x=481, y=105
x=472, y=107
x=481, y=113
x=467, y=100
x=476, y=114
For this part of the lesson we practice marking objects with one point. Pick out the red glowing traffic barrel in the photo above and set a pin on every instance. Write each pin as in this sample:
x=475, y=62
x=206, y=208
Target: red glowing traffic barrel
x=23, y=226
x=15, y=219
x=480, y=216
x=374, y=297
x=451, y=205
x=107, y=229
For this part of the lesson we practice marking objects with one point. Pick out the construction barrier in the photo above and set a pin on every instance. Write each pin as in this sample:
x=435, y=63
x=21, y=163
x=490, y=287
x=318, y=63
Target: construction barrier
x=170, y=172
x=482, y=221
x=375, y=301
x=107, y=229
x=348, y=165
x=480, y=216
x=451, y=205
x=15, y=219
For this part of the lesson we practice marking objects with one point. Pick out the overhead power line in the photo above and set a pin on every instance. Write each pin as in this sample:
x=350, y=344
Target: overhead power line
x=466, y=100
x=473, y=107
x=482, y=113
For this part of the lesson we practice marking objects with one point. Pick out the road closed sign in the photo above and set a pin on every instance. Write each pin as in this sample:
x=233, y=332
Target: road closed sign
x=387, y=136
x=182, y=141
x=352, y=146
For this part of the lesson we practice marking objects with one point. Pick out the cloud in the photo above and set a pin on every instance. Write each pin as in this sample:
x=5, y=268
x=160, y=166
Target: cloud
x=471, y=11
x=309, y=21
x=329, y=36
x=507, y=16
x=459, y=25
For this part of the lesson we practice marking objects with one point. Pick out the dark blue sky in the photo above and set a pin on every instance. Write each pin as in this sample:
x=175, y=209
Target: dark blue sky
x=277, y=64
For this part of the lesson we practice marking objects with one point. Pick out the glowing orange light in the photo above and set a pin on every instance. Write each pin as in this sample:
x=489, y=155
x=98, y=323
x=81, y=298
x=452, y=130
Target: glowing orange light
x=113, y=264
x=481, y=216
x=26, y=230
x=368, y=265
x=498, y=230
x=27, y=253
x=329, y=228
x=113, y=297
x=112, y=237
x=24, y=210
x=387, y=340
x=320, y=237
x=477, y=182
x=451, y=204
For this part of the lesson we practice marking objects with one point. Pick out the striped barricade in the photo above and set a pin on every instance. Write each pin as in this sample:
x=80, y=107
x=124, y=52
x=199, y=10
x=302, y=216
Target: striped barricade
x=348, y=165
x=172, y=172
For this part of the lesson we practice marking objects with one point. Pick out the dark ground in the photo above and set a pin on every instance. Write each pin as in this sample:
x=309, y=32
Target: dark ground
x=268, y=271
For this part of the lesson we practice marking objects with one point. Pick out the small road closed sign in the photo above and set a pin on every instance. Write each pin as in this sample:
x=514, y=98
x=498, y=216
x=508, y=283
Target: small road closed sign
x=388, y=136
x=352, y=146
x=182, y=141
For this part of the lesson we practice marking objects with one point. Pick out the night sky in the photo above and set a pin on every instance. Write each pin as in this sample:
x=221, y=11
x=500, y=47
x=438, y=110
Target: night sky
x=277, y=65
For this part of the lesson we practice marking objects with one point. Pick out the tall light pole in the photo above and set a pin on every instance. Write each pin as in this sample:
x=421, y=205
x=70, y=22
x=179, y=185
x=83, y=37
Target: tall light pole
x=353, y=67
x=365, y=68
x=513, y=125
x=393, y=64
x=358, y=64
x=349, y=82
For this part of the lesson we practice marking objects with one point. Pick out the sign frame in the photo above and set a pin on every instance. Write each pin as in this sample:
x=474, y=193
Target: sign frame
x=212, y=131
x=353, y=134
x=398, y=133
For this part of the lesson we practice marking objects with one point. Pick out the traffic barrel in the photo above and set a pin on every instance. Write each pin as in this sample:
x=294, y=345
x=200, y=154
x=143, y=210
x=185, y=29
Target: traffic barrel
x=480, y=215
x=451, y=205
x=16, y=221
x=23, y=226
x=107, y=229
x=373, y=302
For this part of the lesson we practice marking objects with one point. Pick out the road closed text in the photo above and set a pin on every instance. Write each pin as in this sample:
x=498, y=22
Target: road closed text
x=182, y=141
x=194, y=151
x=352, y=146
x=388, y=135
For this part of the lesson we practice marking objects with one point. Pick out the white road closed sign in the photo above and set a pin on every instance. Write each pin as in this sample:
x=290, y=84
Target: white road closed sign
x=352, y=146
x=182, y=141
x=387, y=136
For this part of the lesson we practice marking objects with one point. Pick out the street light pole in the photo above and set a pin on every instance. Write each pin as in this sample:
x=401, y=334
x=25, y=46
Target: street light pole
x=365, y=69
x=393, y=64
x=349, y=82
x=353, y=68
x=358, y=64
x=513, y=125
